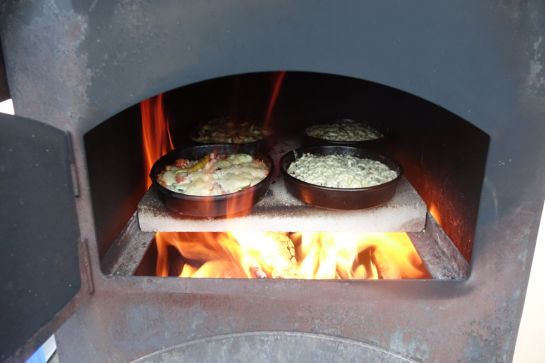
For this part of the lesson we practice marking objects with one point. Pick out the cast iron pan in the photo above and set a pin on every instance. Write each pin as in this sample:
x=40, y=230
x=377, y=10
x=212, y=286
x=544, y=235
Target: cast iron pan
x=368, y=144
x=339, y=198
x=246, y=147
x=237, y=203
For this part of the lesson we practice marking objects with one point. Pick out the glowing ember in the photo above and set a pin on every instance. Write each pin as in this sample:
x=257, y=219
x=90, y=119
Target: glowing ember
x=156, y=139
x=320, y=255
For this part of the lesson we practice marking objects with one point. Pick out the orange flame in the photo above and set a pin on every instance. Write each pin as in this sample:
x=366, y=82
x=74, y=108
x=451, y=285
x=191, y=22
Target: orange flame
x=277, y=85
x=319, y=255
x=435, y=212
x=156, y=139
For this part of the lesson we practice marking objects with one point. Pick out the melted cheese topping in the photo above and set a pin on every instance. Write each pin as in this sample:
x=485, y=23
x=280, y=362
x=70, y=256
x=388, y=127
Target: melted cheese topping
x=344, y=130
x=224, y=130
x=340, y=171
x=215, y=175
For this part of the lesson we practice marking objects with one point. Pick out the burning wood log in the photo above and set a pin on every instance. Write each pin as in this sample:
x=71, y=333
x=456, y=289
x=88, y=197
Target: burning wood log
x=279, y=260
x=285, y=245
x=286, y=265
x=258, y=272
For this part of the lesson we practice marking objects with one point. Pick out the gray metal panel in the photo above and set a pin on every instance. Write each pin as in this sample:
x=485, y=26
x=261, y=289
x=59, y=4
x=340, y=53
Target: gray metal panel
x=471, y=57
x=274, y=347
x=39, y=269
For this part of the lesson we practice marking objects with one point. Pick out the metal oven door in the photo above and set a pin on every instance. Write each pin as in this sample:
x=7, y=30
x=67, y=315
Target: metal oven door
x=39, y=234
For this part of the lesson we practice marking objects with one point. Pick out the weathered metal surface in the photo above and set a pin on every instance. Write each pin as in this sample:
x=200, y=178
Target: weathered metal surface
x=440, y=256
x=73, y=64
x=127, y=251
x=38, y=229
x=273, y=347
x=54, y=107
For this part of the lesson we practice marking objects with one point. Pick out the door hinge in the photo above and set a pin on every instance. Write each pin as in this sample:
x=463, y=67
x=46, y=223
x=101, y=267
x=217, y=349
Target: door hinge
x=87, y=269
x=72, y=164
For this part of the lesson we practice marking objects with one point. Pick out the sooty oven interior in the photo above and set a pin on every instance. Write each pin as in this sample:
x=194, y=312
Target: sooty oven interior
x=446, y=173
x=457, y=88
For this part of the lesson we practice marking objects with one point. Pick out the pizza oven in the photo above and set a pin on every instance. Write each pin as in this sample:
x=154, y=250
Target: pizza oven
x=102, y=90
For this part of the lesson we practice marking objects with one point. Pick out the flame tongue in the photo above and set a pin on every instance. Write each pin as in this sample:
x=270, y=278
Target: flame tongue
x=156, y=139
x=320, y=255
x=277, y=85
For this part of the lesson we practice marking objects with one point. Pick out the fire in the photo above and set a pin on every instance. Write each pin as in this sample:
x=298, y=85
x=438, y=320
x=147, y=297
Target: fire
x=156, y=139
x=318, y=255
x=277, y=85
x=435, y=212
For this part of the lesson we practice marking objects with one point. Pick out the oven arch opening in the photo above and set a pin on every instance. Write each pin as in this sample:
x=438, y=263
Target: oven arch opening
x=443, y=156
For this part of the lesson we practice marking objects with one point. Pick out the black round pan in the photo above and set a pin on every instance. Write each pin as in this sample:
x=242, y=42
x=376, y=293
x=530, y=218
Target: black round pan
x=248, y=147
x=374, y=144
x=339, y=198
x=237, y=203
x=368, y=144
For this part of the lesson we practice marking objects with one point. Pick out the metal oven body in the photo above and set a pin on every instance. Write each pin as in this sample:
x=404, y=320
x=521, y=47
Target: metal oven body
x=72, y=65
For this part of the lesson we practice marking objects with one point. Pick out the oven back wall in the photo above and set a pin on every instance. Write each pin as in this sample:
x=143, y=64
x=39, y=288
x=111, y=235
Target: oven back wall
x=74, y=66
